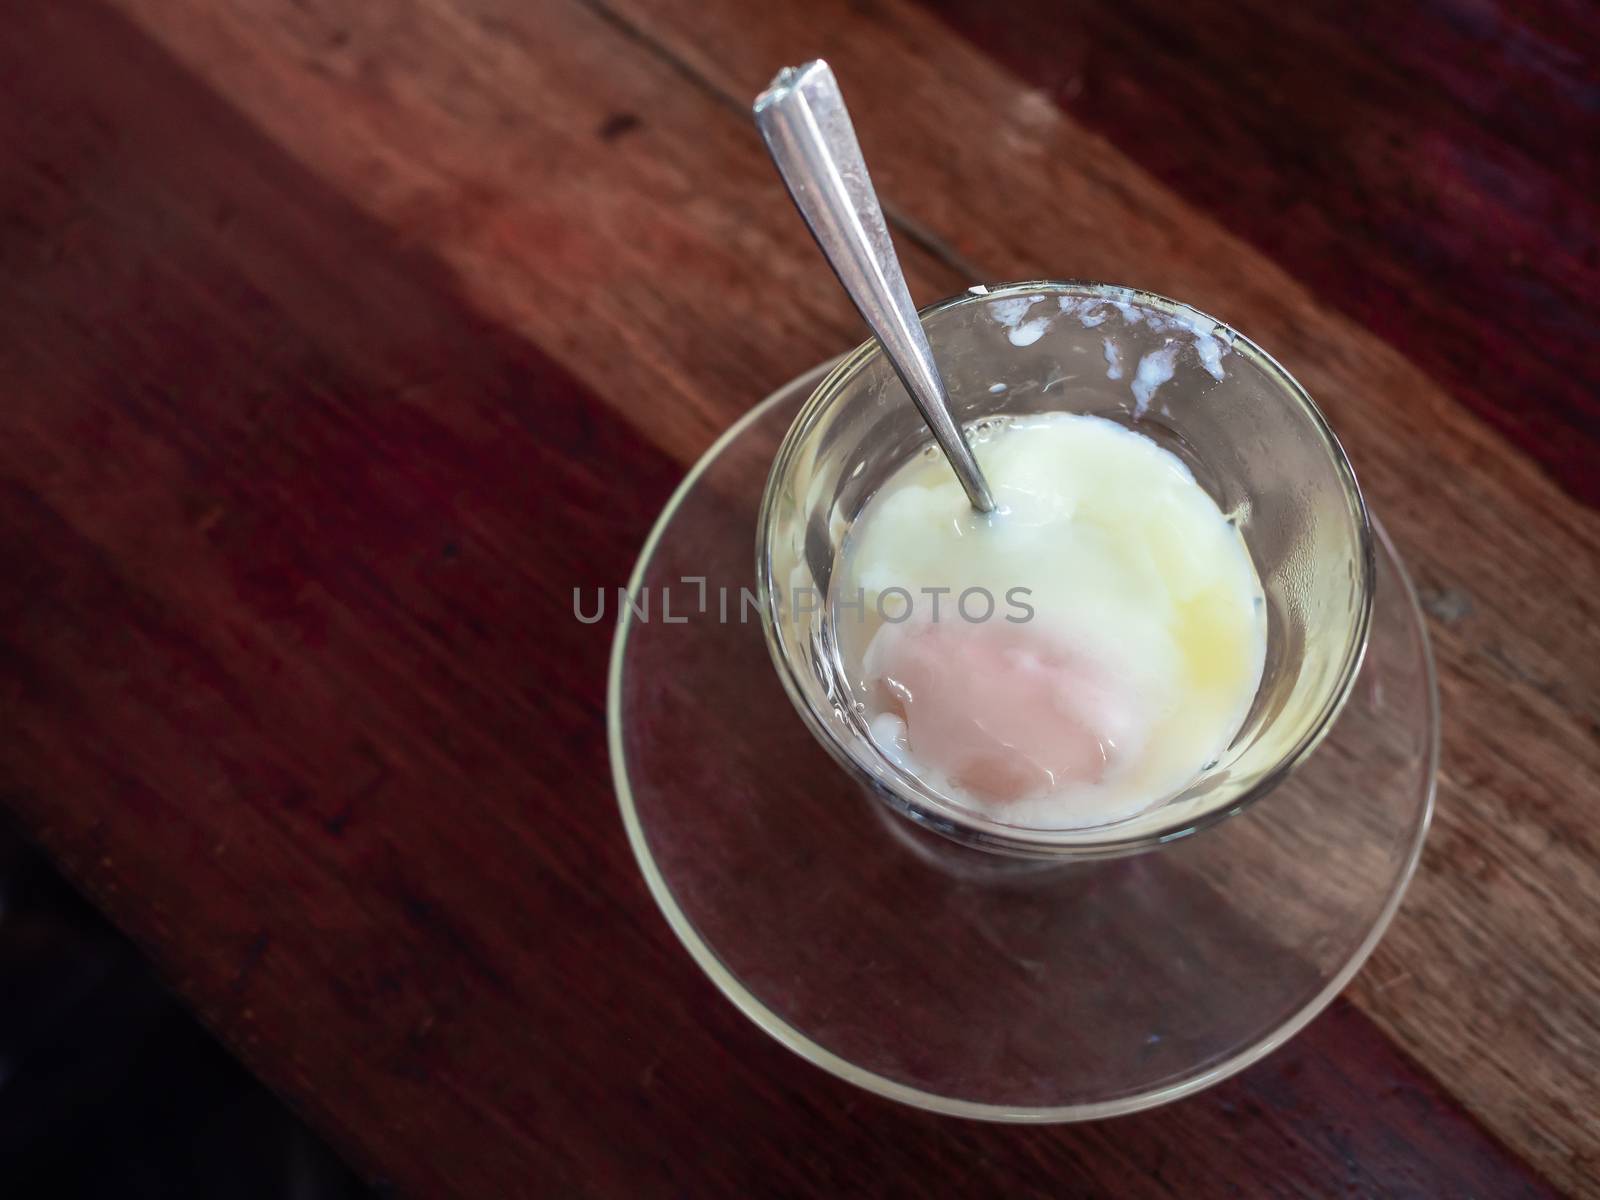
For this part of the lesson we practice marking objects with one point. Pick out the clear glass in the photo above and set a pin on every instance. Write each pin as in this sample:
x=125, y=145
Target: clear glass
x=968, y=982
x=1254, y=440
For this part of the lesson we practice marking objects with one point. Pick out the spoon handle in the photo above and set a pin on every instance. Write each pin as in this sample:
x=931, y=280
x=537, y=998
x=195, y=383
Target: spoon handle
x=808, y=133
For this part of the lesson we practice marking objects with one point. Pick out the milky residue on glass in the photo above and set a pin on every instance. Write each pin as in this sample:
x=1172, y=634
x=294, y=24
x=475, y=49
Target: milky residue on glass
x=1024, y=326
x=1113, y=360
x=1011, y=313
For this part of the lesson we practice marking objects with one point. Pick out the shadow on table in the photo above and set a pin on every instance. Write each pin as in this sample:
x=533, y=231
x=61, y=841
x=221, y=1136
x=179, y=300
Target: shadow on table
x=108, y=1088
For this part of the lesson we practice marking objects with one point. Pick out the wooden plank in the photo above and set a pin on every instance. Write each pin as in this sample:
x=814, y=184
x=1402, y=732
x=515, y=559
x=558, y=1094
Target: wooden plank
x=1365, y=148
x=268, y=483
x=618, y=217
x=306, y=449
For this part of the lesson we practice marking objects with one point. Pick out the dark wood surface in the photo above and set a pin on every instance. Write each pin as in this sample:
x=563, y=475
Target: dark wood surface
x=1419, y=167
x=342, y=340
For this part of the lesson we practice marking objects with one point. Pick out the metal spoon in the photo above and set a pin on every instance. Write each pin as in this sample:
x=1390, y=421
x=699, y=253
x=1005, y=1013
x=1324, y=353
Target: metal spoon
x=808, y=133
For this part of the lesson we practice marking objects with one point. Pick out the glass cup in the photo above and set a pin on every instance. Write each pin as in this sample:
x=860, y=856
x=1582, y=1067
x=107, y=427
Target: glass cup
x=1250, y=434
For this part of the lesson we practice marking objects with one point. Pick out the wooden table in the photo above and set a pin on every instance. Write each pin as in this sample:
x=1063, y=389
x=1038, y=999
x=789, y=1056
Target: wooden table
x=312, y=308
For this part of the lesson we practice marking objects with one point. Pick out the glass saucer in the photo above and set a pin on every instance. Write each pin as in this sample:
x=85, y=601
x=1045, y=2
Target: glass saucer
x=950, y=978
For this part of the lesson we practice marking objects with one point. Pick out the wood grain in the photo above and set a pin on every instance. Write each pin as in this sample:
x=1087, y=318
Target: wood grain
x=344, y=340
x=615, y=217
x=1449, y=210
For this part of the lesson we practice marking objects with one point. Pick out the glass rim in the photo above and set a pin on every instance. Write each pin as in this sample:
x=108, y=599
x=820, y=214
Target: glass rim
x=927, y=806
